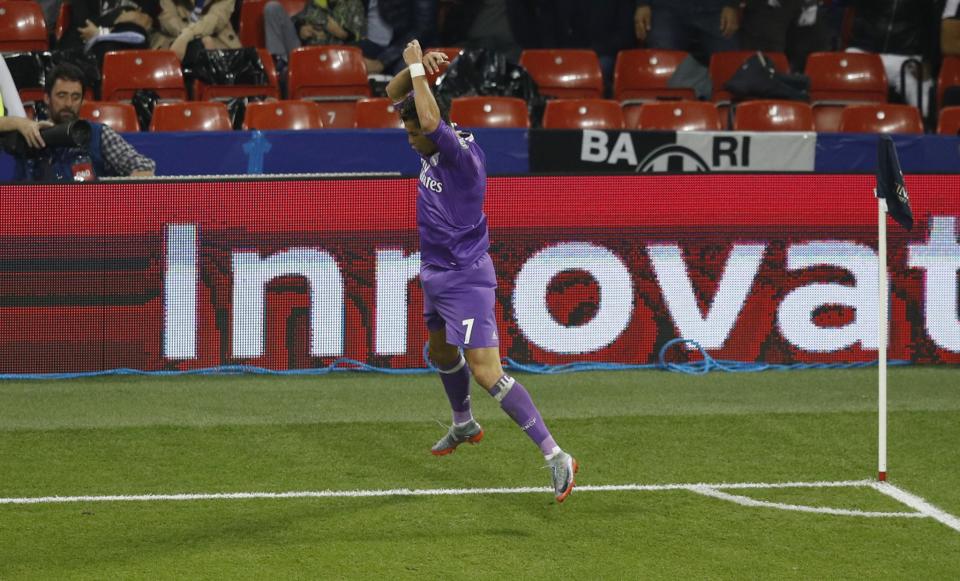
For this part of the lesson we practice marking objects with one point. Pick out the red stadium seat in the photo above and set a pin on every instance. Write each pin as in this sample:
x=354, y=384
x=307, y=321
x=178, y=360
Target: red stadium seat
x=949, y=76
x=679, y=116
x=377, y=113
x=644, y=74
x=251, y=20
x=583, y=114
x=565, y=73
x=22, y=27
x=333, y=75
x=949, y=122
x=121, y=117
x=723, y=65
x=191, y=116
x=838, y=79
x=490, y=112
x=205, y=92
x=881, y=118
x=283, y=115
x=773, y=116
x=126, y=71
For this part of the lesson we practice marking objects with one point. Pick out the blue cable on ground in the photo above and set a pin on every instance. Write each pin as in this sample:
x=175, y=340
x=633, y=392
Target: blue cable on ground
x=709, y=364
x=343, y=364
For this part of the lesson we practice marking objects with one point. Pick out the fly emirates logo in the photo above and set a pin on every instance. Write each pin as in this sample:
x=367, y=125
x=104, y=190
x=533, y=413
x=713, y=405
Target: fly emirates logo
x=428, y=182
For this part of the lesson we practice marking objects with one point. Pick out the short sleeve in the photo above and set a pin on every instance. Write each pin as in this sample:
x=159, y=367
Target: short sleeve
x=450, y=145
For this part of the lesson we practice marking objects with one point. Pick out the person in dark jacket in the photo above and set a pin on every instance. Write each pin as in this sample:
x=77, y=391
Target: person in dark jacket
x=391, y=24
x=899, y=30
x=706, y=25
x=794, y=27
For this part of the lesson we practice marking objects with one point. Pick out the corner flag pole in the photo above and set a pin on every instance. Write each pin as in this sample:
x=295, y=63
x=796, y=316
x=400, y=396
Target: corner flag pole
x=892, y=198
x=882, y=326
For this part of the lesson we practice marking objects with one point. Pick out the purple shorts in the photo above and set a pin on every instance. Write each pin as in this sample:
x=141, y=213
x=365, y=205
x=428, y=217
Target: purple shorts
x=463, y=300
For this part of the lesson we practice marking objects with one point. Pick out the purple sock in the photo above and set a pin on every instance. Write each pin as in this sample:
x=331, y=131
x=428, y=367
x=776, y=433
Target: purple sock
x=456, y=382
x=515, y=400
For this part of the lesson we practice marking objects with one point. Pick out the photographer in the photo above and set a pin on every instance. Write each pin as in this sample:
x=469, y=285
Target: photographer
x=107, y=154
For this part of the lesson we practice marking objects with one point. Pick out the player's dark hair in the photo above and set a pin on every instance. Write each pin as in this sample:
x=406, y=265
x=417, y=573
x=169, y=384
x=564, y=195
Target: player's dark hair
x=408, y=110
x=67, y=72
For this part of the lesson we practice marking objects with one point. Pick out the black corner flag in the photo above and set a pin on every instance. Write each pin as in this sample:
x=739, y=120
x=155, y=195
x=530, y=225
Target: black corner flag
x=890, y=185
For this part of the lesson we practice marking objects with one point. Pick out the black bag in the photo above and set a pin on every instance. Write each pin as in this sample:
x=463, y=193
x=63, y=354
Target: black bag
x=239, y=66
x=758, y=78
x=487, y=72
x=30, y=69
x=144, y=101
x=237, y=109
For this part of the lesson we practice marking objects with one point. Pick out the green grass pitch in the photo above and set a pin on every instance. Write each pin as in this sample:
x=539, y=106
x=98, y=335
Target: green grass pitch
x=351, y=431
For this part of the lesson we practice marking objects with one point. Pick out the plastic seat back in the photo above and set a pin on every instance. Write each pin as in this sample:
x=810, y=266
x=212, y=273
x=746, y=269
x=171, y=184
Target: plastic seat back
x=846, y=76
x=773, y=116
x=191, y=116
x=490, y=112
x=679, y=116
x=949, y=121
x=22, y=27
x=583, y=114
x=881, y=118
x=128, y=70
x=377, y=113
x=565, y=73
x=644, y=75
x=838, y=79
x=283, y=115
x=327, y=73
x=121, y=117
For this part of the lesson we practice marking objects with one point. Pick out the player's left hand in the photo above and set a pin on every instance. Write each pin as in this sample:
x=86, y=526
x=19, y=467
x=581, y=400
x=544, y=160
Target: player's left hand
x=413, y=54
x=433, y=60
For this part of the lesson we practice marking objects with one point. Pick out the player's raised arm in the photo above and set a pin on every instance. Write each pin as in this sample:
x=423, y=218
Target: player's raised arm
x=415, y=77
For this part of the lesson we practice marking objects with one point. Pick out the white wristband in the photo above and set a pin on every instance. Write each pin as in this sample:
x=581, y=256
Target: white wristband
x=417, y=70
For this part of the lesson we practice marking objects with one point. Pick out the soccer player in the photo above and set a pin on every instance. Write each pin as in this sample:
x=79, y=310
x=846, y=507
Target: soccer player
x=456, y=272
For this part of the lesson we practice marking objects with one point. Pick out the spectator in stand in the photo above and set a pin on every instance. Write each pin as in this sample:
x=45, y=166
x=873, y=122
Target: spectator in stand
x=320, y=22
x=183, y=21
x=789, y=26
x=708, y=26
x=391, y=24
x=899, y=30
x=84, y=12
x=488, y=24
x=950, y=29
x=132, y=28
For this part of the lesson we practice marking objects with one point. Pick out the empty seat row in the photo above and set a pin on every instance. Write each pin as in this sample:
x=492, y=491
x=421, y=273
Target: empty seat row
x=508, y=112
x=761, y=115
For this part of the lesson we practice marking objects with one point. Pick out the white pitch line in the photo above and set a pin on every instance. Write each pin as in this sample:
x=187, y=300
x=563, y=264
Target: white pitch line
x=418, y=492
x=917, y=503
x=747, y=501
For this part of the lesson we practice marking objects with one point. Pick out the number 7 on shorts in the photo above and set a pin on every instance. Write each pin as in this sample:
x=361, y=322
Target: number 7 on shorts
x=468, y=323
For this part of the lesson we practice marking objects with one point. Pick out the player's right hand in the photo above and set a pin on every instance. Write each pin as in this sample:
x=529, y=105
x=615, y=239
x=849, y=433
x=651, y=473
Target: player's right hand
x=413, y=54
x=433, y=60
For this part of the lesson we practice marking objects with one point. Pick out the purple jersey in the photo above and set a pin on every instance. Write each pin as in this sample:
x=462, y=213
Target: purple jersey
x=450, y=218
